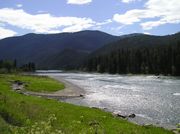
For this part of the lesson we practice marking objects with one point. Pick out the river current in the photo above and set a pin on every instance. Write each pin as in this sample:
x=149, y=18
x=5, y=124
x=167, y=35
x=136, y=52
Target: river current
x=154, y=99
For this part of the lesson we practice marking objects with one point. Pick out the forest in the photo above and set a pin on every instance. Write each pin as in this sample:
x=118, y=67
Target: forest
x=161, y=59
x=10, y=66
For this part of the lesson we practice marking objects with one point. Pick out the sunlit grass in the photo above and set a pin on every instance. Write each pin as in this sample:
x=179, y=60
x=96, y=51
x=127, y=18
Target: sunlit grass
x=39, y=83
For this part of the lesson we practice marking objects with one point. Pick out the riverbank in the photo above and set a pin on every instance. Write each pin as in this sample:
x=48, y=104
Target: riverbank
x=23, y=113
x=155, y=100
x=70, y=91
x=75, y=95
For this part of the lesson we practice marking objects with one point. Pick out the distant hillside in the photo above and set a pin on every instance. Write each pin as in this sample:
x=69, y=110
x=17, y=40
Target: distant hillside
x=137, y=41
x=137, y=54
x=53, y=51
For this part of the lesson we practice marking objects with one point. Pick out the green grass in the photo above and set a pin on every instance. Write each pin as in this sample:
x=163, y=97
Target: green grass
x=19, y=112
x=39, y=83
x=4, y=127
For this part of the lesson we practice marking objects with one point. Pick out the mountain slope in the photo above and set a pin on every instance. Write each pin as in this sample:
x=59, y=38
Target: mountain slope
x=137, y=54
x=43, y=49
x=137, y=41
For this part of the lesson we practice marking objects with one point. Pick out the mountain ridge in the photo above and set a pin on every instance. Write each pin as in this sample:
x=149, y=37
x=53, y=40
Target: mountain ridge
x=138, y=40
x=141, y=54
x=68, y=50
x=39, y=47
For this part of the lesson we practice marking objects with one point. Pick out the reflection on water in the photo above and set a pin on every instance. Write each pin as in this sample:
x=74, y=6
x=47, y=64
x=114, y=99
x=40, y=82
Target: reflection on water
x=151, y=98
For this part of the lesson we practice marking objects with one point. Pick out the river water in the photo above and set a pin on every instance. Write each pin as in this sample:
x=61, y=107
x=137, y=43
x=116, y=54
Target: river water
x=154, y=100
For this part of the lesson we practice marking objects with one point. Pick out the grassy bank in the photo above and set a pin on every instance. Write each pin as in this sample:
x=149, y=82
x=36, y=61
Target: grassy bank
x=26, y=114
x=39, y=84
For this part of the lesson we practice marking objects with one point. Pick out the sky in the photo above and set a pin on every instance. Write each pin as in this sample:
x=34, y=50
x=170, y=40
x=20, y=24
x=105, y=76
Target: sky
x=117, y=17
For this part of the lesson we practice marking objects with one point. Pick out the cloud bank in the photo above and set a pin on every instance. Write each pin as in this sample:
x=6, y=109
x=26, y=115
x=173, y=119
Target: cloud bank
x=6, y=33
x=163, y=11
x=43, y=23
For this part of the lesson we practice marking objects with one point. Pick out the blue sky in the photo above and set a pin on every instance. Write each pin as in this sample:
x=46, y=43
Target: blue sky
x=117, y=17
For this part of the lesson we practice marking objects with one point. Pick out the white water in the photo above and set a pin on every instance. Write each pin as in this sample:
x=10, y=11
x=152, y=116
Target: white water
x=154, y=100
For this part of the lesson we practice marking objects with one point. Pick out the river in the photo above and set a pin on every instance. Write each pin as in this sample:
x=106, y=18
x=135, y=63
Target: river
x=154, y=99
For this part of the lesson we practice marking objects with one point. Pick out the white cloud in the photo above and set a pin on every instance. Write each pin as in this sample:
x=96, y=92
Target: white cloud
x=78, y=2
x=130, y=17
x=6, y=33
x=150, y=24
x=19, y=5
x=104, y=22
x=147, y=33
x=43, y=23
x=81, y=25
x=164, y=11
x=128, y=1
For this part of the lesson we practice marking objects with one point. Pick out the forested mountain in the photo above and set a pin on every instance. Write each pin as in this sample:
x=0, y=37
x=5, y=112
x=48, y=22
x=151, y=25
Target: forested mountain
x=138, y=54
x=96, y=51
x=53, y=51
x=137, y=41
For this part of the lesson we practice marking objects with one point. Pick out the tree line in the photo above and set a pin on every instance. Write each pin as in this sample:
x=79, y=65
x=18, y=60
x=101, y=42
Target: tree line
x=164, y=59
x=9, y=66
